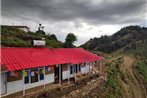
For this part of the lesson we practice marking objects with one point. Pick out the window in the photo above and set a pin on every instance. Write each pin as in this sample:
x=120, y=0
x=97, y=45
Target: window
x=41, y=75
x=34, y=78
x=79, y=68
x=76, y=68
x=26, y=79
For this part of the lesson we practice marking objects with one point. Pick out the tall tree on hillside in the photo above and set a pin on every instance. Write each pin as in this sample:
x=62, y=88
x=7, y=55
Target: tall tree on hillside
x=70, y=39
x=53, y=36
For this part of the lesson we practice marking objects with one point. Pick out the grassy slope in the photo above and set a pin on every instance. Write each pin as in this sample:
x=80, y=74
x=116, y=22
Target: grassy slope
x=112, y=88
x=122, y=81
x=141, y=50
x=11, y=37
x=142, y=68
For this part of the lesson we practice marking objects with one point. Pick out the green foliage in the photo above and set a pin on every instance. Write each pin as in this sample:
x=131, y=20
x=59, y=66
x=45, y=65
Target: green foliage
x=140, y=49
x=142, y=68
x=53, y=36
x=13, y=37
x=70, y=39
x=127, y=36
x=112, y=88
x=40, y=32
x=15, y=42
x=54, y=44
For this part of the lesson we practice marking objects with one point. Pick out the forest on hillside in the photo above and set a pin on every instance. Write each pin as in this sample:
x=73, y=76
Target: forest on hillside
x=127, y=37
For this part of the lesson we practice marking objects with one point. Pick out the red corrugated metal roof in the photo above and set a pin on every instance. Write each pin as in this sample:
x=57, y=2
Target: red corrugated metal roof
x=23, y=58
x=78, y=55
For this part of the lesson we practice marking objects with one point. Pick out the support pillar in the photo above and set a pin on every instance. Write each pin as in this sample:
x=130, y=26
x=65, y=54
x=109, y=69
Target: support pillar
x=23, y=84
x=59, y=74
x=44, y=76
x=69, y=74
x=100, y=66
x=74, y=68
x=89, y=67
x=77, y=68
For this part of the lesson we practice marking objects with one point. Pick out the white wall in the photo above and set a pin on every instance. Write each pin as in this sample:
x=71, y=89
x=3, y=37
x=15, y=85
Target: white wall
x=49, y=78
x=16, y=86
x=2, y=83
x=65, y=74
x=85, y=69
x=24, y=29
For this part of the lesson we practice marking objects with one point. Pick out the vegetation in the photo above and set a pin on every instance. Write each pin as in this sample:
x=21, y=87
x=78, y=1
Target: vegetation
x=142, y=68
x=122, y=81
x=70, y=39
x=127, y=76
x=13, y=37
x=127, y=37
x=140, y=50
x=53, y=36
x=112, y=87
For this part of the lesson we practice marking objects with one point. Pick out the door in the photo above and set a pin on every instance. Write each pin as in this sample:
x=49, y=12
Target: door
x=3, y=83
x=76, y=68
x=57, y=73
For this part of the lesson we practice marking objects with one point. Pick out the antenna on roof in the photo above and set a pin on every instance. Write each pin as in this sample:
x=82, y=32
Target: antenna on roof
x=36, y=26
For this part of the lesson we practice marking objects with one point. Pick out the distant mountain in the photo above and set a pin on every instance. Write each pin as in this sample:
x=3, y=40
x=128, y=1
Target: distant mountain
x=128, y=38
x=13, y=37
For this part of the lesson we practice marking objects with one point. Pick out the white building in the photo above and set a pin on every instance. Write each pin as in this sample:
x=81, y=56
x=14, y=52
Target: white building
x=23, y=28
x=25, y=68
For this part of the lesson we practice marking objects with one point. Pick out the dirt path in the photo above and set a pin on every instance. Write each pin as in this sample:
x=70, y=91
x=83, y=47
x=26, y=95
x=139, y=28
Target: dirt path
x=134, y=87
x=128, y=62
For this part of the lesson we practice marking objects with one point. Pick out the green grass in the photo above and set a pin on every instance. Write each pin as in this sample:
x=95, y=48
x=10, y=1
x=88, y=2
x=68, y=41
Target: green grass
x=12, y=37
x=142, y=68
x=141, y=50
x=112, y=88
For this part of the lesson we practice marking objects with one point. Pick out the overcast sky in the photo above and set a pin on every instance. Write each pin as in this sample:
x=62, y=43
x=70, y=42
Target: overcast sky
x=85, y=18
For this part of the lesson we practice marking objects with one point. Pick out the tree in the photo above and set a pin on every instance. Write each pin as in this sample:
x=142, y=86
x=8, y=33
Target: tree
x=53, y=36
x=70, y=39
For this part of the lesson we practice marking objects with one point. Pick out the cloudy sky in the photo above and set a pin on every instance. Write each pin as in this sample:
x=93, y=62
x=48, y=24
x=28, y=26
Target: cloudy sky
x=85, y=18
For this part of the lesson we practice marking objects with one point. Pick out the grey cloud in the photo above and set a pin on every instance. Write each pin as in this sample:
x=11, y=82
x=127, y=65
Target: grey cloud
x=104, y=12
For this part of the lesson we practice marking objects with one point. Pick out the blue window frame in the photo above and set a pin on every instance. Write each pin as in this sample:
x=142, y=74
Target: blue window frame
x=26, y=80
x=41, y=76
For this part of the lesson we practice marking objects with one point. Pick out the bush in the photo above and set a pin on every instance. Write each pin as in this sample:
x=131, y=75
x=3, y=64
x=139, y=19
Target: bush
x=13, y=37
x=142, y=68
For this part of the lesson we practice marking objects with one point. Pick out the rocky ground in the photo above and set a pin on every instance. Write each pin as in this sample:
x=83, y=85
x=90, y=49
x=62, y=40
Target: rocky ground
x=77, y=90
